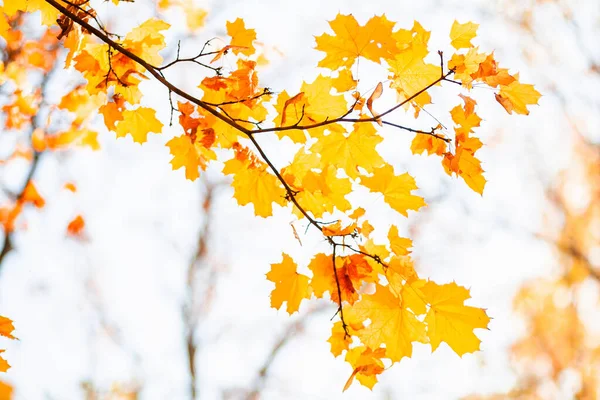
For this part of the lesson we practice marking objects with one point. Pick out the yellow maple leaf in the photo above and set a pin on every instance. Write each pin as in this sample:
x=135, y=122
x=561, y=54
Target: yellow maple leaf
x=410, y=74
x=290, y=286
x=189, y=156
x=392, y=324
x=324, y=191
x=138, y=123
x=366, y=364
x=344, y=81
x=396, y=189
x=517, y=96
x=253, y=184
x=372, y=41
x=461, y=34
x=321, y=105
x=399, y=245
x=147, y=40
x=339, y=340
x=241, y=38
x=449, y=320
x=351, y=151
x=49, y=13
x=428, y=143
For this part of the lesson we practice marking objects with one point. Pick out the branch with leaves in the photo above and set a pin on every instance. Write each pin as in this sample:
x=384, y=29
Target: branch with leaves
x=383, y=305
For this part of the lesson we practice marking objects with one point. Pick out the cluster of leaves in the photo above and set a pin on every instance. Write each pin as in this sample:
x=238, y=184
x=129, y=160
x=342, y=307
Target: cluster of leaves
x=34, y=124
x=383, y=305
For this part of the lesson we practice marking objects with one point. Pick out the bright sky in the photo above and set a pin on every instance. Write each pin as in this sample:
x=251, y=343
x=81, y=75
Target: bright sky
x=143, y=219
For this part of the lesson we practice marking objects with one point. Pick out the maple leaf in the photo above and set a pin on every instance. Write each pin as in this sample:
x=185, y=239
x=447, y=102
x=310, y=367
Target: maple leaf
x=396, y=189
x=252, y=183
x=344, y=81
x=449, y=320
x=461, y=34
x=392, y=324
x=112, y=114
x=138, y=123
x=399, y=245
x=339, y=340
x=428, y=143
x=147, y=40
x=321, y=105
x=321, y=192
x=410, y=74
x=367, y=365
x=6, y=328
x=323, y=279
x=465, y=116
x=241, y=38
x=372, y=41
x=290, y=286
x=192, y=156
x=351, y=151
x=517, y=96
x=336, y=229
x=465, y=164
x=49, y=13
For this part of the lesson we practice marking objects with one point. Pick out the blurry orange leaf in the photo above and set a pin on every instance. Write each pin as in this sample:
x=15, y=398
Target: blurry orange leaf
x=4, y=366
x=70, y=186
x=6, y=391
x=31, y=195
x=76, y=226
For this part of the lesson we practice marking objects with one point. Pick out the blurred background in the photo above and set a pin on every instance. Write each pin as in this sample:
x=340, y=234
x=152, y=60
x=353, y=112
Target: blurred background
x=158, y=291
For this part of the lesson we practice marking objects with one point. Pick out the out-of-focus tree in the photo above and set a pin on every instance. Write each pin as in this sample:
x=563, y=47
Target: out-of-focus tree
x=559, y=354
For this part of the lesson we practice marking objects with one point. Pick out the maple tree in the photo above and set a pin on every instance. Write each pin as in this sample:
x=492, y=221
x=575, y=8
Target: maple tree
x=383, y=305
